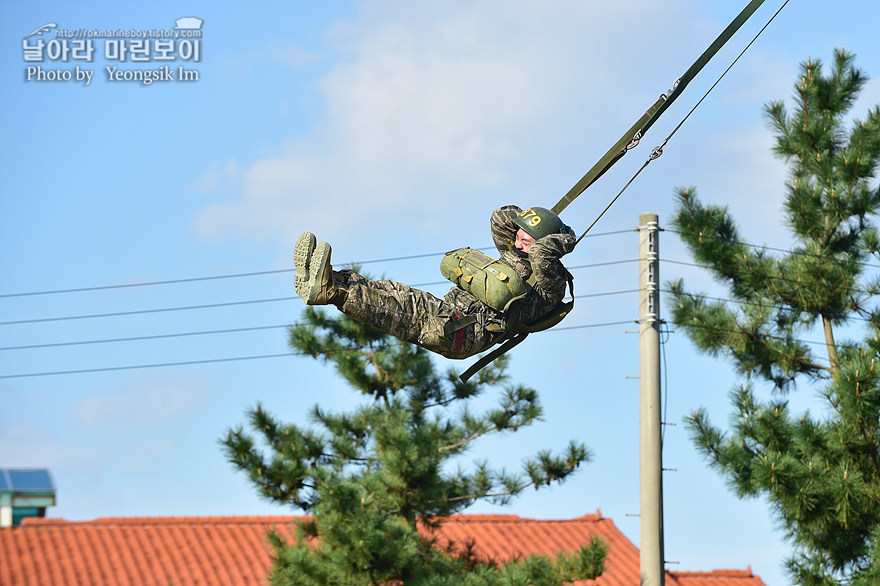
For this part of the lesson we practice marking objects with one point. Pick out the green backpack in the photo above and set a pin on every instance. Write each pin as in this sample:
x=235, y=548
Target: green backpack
x=498, y=285
x=495, y=283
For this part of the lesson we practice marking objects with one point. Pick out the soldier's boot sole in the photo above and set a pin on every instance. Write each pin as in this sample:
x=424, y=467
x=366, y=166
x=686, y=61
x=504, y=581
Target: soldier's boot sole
x=320, y=280
x=302, y=254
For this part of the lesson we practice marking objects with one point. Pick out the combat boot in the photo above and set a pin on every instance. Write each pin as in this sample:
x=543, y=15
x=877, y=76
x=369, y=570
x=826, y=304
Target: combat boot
x=301, y=254
x=314, y=280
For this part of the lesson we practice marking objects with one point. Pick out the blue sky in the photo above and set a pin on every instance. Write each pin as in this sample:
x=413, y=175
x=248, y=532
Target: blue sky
x=389, y=129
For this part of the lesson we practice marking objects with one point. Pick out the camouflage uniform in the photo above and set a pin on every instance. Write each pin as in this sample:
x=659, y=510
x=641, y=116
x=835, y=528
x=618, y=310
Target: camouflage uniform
x=424, y=319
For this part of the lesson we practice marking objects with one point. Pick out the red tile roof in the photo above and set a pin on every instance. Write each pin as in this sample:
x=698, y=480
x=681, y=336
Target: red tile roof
x=217, y=551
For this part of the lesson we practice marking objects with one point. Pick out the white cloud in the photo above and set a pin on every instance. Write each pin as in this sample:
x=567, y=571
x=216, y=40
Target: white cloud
x=147, y=403
x=438, y=106
x=219, y=178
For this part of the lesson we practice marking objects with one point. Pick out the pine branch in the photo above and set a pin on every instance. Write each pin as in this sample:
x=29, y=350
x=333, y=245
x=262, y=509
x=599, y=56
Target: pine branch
x=467, y=440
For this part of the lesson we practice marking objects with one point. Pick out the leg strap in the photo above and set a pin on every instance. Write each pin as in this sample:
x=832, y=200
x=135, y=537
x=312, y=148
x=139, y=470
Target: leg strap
x=482, y=362
x=458, y=323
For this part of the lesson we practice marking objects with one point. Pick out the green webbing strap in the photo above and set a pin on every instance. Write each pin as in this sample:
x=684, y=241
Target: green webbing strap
x=457, y=324
x=629, y=140
x=637, y=131
x=522, y=331
x=479, y=364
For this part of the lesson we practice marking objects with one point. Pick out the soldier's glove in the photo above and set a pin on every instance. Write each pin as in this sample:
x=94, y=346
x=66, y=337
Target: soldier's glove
x=561, y=243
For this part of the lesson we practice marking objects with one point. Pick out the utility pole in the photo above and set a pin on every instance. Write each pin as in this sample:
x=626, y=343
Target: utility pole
x=651, y=558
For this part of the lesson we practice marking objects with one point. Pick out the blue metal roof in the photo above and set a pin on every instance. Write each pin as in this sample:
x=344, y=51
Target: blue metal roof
x=25, y=480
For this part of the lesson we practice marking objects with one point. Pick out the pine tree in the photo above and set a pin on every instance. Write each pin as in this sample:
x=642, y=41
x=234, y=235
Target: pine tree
x=820, y=473
x=376, y=482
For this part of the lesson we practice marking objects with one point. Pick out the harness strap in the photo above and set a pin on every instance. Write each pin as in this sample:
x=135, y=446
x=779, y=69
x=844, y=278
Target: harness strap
x=632, y=136
x=458, y=323
x=479, y=364
x=517, y=332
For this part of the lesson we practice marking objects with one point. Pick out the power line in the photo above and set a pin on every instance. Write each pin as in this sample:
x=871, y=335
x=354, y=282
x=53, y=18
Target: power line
x=255, y=301
x=228, y=303
x=363, y=262
x=763, y=335
x=775, y=278
x=603, y=264
x=602, y=325
x=148, y=337
x=144, y=311
x=783, y=250
x=207, y=332
x=752, y=303
x=220, y=360
x=246, y=274
x=291, y=298
x=257, y=328
x=142, y=366
x=143, y=284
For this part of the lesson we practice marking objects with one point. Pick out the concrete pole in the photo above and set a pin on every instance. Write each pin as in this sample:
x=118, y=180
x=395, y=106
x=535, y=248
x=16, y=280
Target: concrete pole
x=651, y=560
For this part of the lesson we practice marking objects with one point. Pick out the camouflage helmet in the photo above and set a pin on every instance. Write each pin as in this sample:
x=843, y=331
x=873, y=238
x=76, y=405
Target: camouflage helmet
x=539, y=222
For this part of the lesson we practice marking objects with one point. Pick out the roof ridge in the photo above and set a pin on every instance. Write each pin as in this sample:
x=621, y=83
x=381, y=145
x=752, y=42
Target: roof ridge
x=746, y=573
x=500, y=517
x=167, y=520
x=264, y=519
x=233, y=549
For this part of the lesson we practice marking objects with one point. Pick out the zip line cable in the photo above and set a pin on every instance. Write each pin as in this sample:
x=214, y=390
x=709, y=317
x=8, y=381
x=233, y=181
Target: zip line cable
x=658, y=150
x=632, y=136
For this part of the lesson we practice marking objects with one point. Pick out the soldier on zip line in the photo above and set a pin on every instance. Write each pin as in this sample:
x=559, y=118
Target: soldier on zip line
x=496, y=300
x=493, y=300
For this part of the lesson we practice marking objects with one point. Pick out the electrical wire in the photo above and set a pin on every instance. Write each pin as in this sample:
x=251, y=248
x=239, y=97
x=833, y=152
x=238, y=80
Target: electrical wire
x=255, y=301
x=228, y=359
x=210, y=332
x=363, y=262
x=279, y=326
x=775, y=278
x=143, y=366
x=228, y=303
x=753, y=304
x=783, y=250
x=148, y=337
x=292, y=298
x=145, y=311
x=247, y=274
x=768, y=336
x=143, y=284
